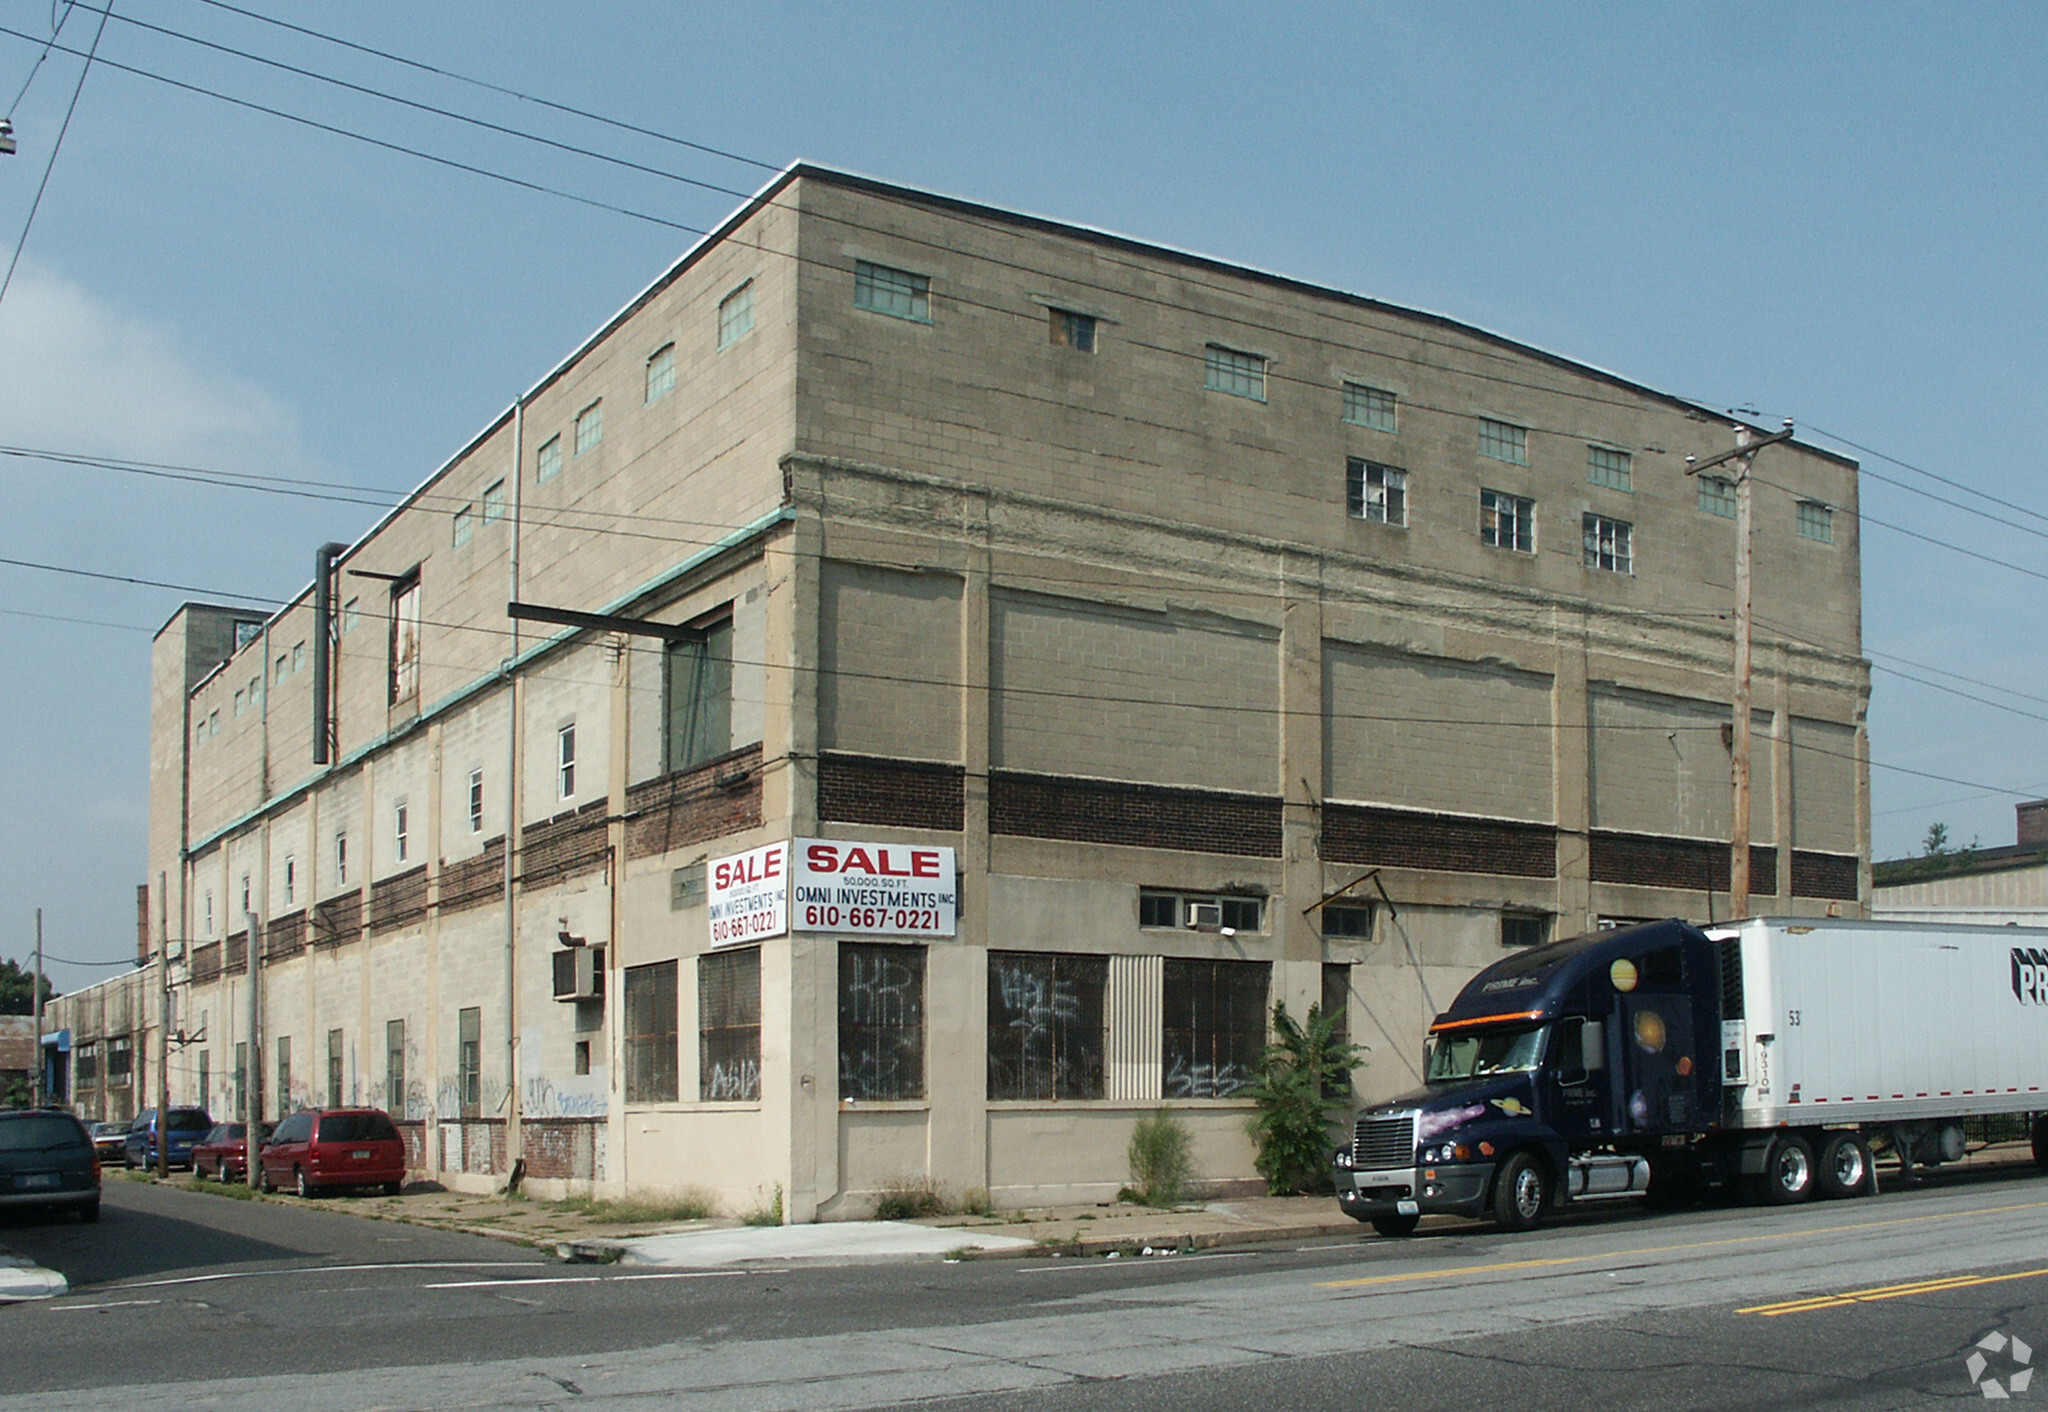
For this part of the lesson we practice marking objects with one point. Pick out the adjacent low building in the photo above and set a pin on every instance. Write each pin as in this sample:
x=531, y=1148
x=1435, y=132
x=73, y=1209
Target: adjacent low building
x=968, y=669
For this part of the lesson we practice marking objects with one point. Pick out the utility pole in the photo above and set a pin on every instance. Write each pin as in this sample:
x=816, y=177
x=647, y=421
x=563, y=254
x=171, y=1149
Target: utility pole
x=1744, y=453
x=36, y=1008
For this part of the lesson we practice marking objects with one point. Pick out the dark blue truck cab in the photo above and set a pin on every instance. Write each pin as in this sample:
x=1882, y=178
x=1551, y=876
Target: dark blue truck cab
x=1583, y=1069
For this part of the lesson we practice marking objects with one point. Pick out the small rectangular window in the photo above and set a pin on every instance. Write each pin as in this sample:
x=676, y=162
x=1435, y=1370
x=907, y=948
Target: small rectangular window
x=881, y=1022
x=549, y=463
x=299, y=656
x=476, y=801
x=736, y=315
x=283, y=665
x=469, y=1060
x=1214, y=1026
x=1609, y=544
x=291, y=880
x=494, y=501
x=209, y=912
x=255, y=691
x=661, y=373
x=394, y=1068
x=1373, y=407
x=1610, y=468
x=1046, y=1035
x=1507, y=521
x=1348, y=919
x=649, y=1033
x=1504, y=441
x=1072, y=330
x=1376, y=493
x=351, y=615
x=565, y=760
x=729, y=1026
x=1717, y=496
x=1158, y=909
x=589, y=427
x=1524, y=929
x=245, y=894
x=1815, y=520
x=1237, y=373
x=400, y=833
x=465, y=524
x=897, y=293
x=239, y=699
x=341, y=859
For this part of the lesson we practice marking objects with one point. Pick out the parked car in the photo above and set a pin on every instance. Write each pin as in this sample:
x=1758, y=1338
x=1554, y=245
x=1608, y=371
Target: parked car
x=331, y=1148
x=47, y=1161
x=109, y=1140
x=185, y=1127
x=224, y=1154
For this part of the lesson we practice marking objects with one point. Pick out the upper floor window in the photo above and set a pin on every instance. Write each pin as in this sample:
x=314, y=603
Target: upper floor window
x=736, y=315
x=565, y=760
x=476, y=801
x=1237, y=373
x=590, y=427
x=299, y=655
x=897, y=293
x=1504, y=441
x=1608, y=467
x=1816, y=520
x=401, y=831
x=1524, y=929
x=1373, y=407
x=1199, y=911
x=291, y=879
x=341, y=858
x=697, y=686
x=494, y=501
x=1717, y=496
x=1507, y=521
x=465, y=524
x=405, y=639
x=549, y=463
x=1609, y=544
x=1375, y=492
x=661, y=372
x=1068, y=329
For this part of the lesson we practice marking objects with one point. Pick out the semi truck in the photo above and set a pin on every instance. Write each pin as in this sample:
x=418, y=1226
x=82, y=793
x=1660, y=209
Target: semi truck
x=1779, y=1056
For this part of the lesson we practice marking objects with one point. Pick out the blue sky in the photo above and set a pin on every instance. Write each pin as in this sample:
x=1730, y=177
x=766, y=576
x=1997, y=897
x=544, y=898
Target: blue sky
x=1828, y=212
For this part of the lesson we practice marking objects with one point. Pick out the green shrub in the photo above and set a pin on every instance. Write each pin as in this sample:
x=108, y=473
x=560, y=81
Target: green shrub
x=907, y=1198
x=1303, y=1088
x=769, y=1215
x=1161, y=1159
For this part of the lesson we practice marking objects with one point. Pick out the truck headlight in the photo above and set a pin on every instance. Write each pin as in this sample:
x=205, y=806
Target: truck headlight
x=1343, y=1159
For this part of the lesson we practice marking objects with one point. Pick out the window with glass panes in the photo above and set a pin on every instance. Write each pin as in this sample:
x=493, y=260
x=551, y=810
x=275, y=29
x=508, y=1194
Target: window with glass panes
x=898, y=293
x=1375, y=492
x=881, y=1021
x=697, y=687
x=394, y=1068
x=1214, y=1026
x=589, y=427
x=661, y=373
x=1373, y=407
x=1072, y=330
x=1046, y=1036
x=1507, y=521
x=469, y=1060
x=736, y=315
x=1609, y=544
x=1815, y=520
x=1717, y=496
x=729, y=1026
x=1605, y=466
x=1504, y=441
x=1238, y=373
x=494, y=501
x=548, y=464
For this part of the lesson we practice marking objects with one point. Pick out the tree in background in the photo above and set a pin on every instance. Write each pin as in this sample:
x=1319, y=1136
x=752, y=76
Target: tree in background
x=18, y=989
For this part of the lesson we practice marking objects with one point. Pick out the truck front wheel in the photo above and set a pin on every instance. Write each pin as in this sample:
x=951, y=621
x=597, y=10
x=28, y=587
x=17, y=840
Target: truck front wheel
x=1844, y=1166
x=1788, y=1172
x=1521, y=1193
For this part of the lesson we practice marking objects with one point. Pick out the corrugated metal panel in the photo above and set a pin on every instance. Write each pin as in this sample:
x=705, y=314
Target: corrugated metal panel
x=1136, y=999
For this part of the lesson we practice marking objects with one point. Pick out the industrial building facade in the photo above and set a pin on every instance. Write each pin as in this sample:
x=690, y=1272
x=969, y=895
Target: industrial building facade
x=1012, y=659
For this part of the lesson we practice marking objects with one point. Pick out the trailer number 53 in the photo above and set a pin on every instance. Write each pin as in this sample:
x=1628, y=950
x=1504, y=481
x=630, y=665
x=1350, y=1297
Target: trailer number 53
x=1791, y=1018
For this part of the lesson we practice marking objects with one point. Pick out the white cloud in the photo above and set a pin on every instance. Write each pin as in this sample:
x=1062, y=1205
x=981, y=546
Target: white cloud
x=85, y=376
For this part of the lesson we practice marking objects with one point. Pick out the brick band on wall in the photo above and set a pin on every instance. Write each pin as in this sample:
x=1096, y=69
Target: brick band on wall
x=399, y=900
x=1402, y=838
x=284, y=936
x=561, y=847
x=339, y=920
x=1685, y=864
x=476, y=881
x=1826, y=875
x=910, y=794
x=711, y=800
x=1137, y=815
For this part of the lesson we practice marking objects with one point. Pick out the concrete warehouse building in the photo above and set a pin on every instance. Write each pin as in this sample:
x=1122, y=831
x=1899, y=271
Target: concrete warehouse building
x=971, y=668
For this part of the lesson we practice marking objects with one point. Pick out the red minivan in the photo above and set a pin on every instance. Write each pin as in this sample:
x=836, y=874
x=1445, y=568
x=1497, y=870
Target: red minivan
x=324, y=1148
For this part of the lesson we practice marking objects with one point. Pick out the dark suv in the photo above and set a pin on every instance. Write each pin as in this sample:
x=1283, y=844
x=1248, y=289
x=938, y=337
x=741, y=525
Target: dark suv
x=186, y=1127
x=334, y=1147
x=47, y=1161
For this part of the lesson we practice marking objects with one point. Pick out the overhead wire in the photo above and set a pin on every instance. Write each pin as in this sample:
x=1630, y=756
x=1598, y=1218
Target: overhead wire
x=50, y=166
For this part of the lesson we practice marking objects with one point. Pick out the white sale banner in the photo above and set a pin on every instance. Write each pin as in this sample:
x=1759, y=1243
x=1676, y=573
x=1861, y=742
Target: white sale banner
x=748, y=895
x=874, y=889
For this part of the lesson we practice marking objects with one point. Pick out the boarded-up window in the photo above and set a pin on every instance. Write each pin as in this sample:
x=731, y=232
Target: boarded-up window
x=1045, y=1033
x=729, y=1026
x=1215, y=1026
x=405, y=640
x=650, y=1038
x=881, y=1021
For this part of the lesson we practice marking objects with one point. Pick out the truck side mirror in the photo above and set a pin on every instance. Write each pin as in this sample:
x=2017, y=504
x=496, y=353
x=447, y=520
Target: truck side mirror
x=1592, y=1045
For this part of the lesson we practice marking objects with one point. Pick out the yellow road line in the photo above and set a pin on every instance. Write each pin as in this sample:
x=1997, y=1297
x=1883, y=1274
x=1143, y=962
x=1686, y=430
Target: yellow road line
x=1669, y=1249
x=1865, y=1296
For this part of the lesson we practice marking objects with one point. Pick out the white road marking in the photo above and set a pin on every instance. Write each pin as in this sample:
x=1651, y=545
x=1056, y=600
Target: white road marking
x=109, y=1304
x=329, y=1270
x=1134, y=1262
x=597, y=1279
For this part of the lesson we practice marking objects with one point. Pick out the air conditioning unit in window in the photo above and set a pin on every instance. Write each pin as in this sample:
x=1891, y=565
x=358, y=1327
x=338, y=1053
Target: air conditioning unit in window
x=579, y=973
x=1204, y=916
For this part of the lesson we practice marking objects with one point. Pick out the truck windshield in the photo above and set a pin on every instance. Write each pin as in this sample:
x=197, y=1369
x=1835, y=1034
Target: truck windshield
x=1477, y=1053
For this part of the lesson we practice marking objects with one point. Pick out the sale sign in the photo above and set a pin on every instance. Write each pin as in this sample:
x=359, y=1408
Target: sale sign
x=872, y=889
x=748, y=895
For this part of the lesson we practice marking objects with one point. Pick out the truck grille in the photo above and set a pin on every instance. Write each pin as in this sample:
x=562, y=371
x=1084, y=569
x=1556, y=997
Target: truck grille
x=1383, y=1142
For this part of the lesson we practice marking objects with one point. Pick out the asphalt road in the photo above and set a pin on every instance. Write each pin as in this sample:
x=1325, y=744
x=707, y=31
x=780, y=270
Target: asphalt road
x=180, y=1297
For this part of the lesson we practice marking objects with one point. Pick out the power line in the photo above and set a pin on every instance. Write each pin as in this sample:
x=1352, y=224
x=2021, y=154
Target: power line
x=51, y=165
